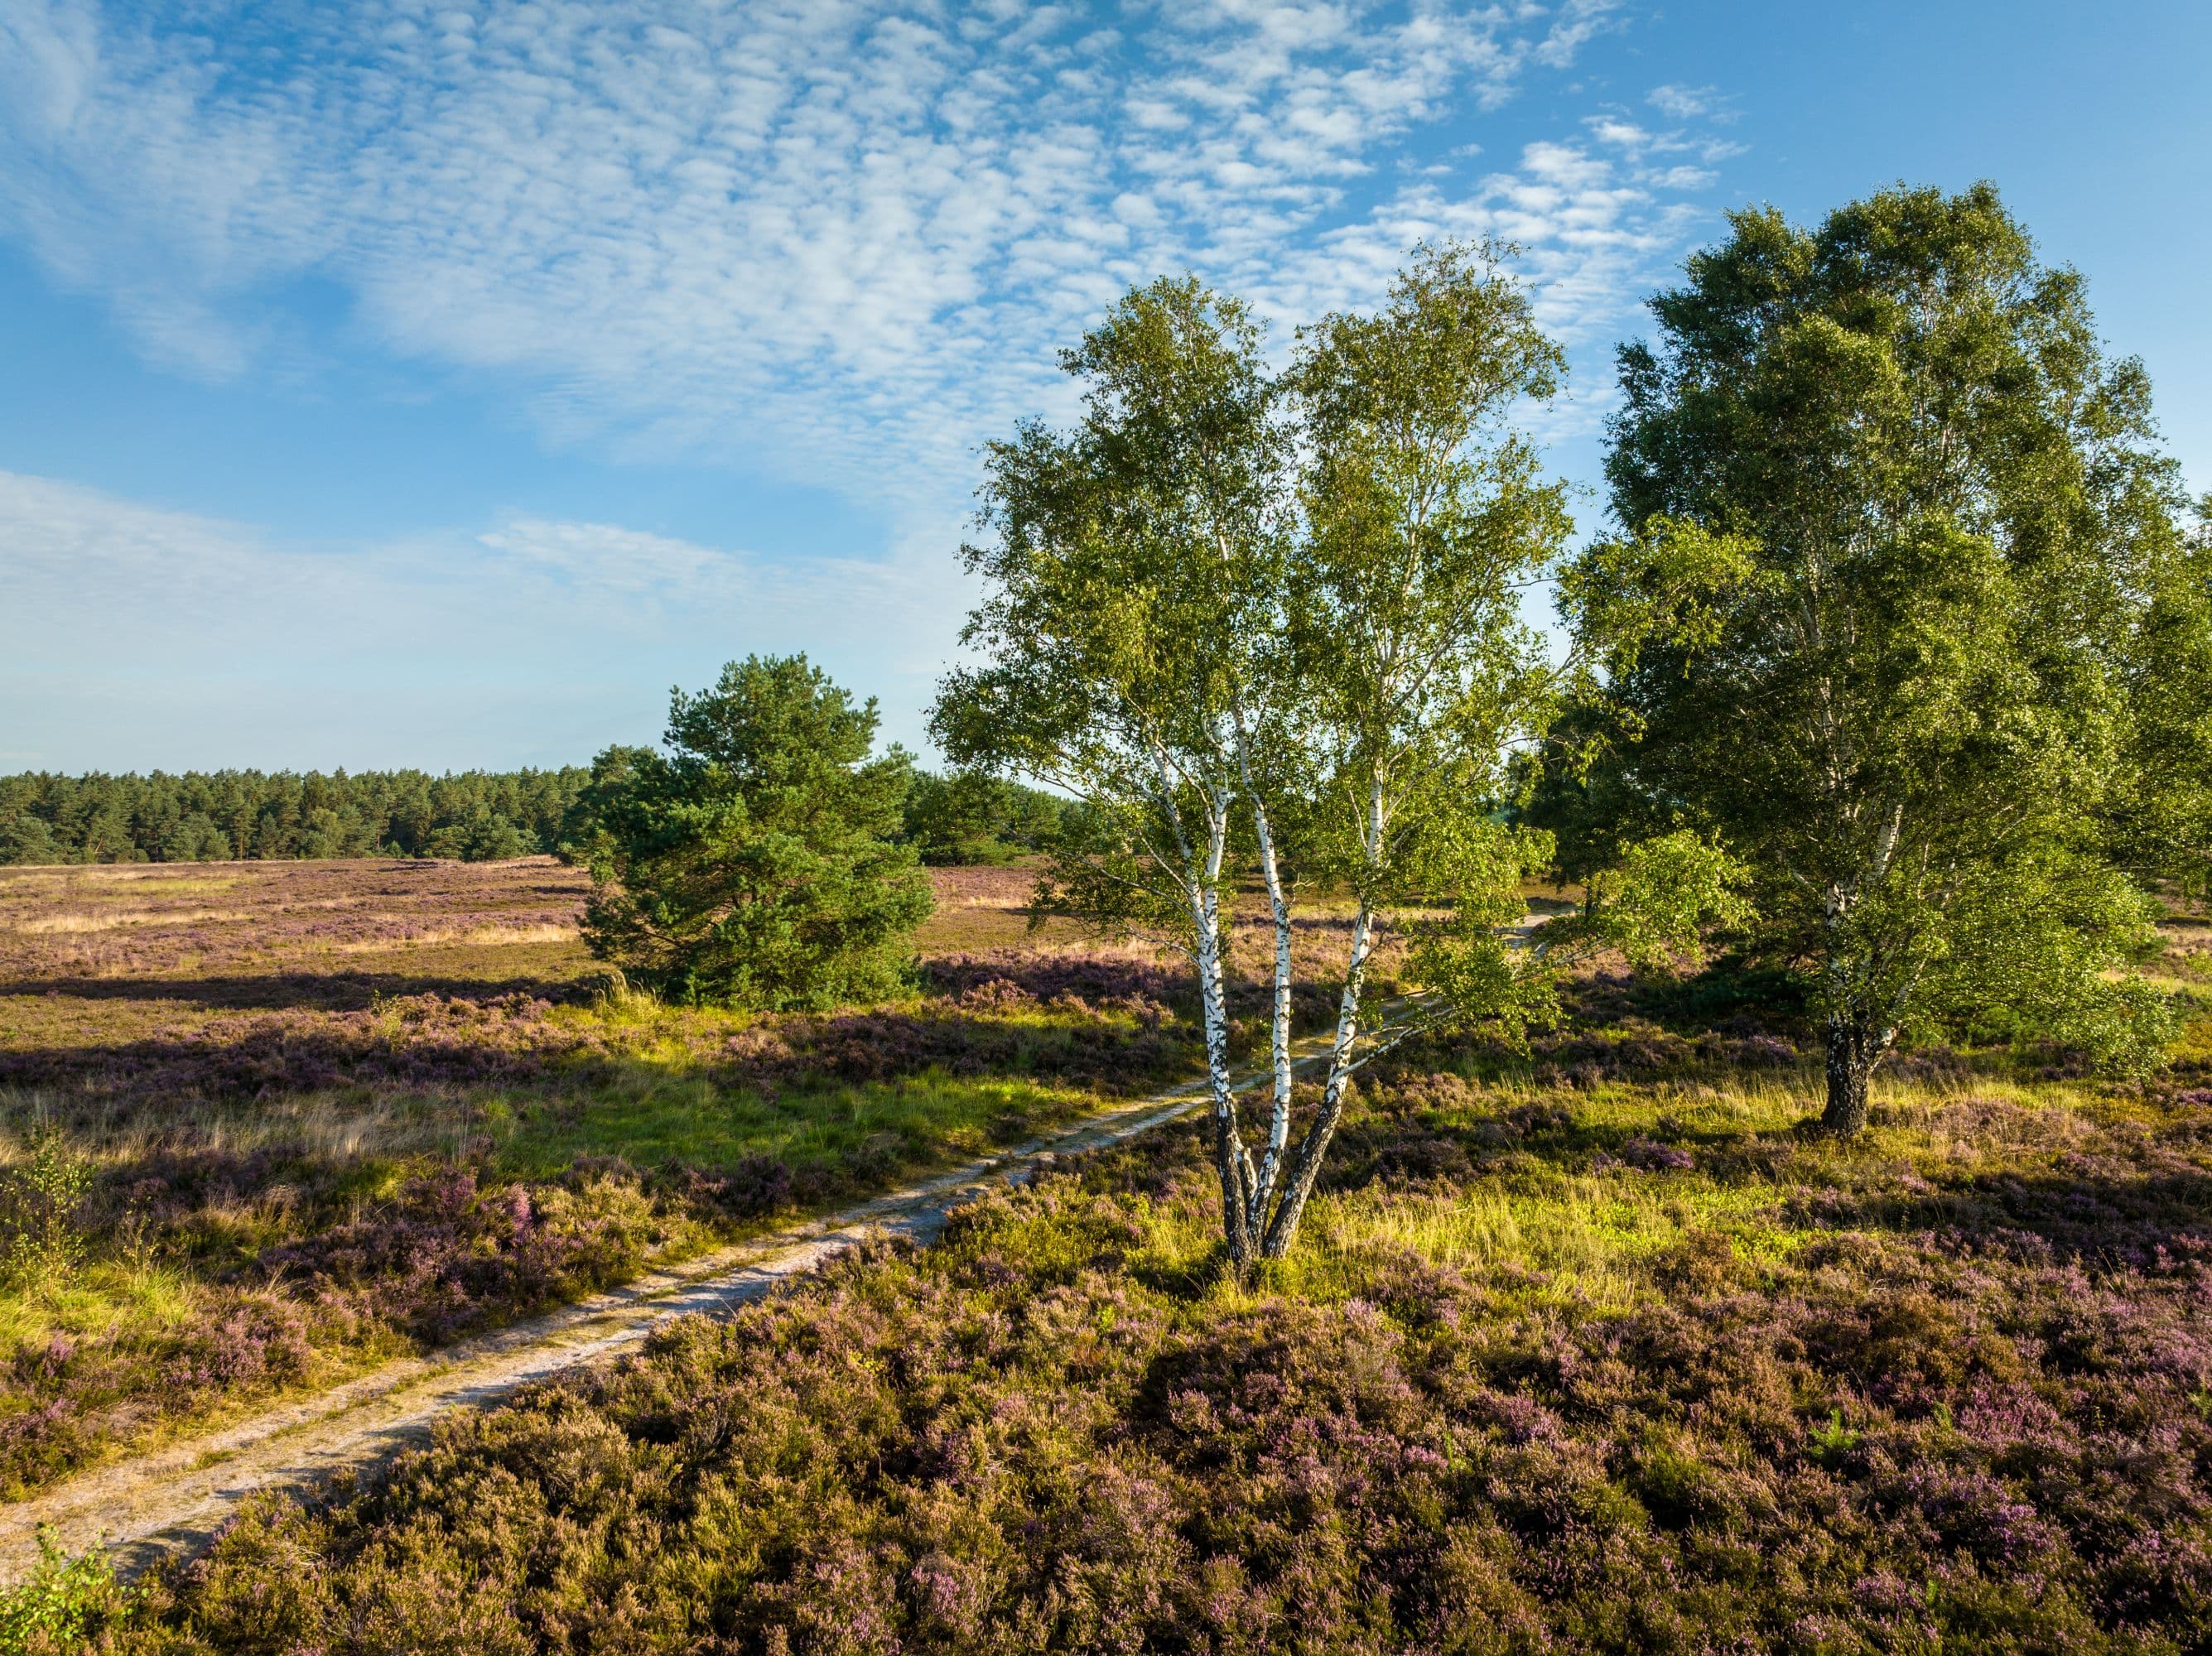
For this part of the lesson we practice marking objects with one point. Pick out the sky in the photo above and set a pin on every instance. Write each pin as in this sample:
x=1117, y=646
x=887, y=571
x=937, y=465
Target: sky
x=422, y=382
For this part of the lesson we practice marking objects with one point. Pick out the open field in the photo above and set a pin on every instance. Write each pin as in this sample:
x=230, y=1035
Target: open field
x=1590, y=1349
x=328, y=1113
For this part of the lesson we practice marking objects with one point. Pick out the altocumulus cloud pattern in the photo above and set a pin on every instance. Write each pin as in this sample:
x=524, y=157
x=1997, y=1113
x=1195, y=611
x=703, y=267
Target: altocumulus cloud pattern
x=843, y=236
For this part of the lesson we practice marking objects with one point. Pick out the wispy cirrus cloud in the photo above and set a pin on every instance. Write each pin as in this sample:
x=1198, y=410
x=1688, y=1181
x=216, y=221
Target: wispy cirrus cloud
x=1572, y=27
x=1687, y=103
x=839, y=239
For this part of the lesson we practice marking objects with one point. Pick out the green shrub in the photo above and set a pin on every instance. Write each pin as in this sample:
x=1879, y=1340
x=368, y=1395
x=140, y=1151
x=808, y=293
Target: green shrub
x=40, y=1200
x=753, y=864
x=62, y=1603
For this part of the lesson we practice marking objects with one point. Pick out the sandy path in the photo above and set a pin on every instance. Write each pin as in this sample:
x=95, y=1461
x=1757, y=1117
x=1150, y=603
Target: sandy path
x=169, y=1502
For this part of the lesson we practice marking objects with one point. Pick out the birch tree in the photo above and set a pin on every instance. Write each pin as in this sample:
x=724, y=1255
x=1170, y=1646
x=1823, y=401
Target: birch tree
x=1126, y=563
x=1273, y=624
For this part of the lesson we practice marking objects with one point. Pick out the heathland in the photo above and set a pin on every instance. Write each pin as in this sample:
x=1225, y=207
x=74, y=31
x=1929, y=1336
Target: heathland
x=1592, y=1346
x=277, y=1121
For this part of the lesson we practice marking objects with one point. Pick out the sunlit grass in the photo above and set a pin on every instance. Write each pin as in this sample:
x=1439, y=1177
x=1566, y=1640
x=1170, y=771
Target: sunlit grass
x=94, y=1301
x=652, y=1117
x=69, y=924
x=1562, y=1223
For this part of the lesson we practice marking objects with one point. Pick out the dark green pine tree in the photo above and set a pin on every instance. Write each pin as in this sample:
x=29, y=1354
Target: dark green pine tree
x=755, y=862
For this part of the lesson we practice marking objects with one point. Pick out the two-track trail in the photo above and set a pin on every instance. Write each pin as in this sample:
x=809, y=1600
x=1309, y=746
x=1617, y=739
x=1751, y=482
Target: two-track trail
x=170, y=1501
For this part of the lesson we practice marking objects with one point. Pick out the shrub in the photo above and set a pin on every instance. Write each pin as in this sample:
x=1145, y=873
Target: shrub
x=62, y=1603
x=753, y=865
x=41, y=1197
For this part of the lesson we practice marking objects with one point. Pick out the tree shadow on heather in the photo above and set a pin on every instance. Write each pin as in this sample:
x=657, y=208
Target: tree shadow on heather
x=1146, y=989
x=2158, y=1221
x=436, y=1043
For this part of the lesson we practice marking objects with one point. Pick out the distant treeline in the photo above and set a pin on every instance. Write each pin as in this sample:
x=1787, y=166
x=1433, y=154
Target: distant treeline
x=213, y=816
x=474, y=815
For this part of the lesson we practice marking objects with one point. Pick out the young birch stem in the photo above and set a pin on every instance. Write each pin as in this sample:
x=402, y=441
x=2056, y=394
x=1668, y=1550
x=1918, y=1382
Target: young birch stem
x=1278, y=1121
x=1232, y=1162
x=1276, y=1241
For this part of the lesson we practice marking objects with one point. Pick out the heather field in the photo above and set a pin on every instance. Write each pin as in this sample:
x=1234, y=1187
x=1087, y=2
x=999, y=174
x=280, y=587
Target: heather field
x=270, y=1124
x=1588, y=1348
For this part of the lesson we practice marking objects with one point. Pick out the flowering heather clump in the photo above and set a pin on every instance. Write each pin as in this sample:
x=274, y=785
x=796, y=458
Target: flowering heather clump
x=1103, y=1022
x=289, y=1264
x=1080, y=1046
x=1963, y=1428
x=1657, y=1158
x=443, y=1256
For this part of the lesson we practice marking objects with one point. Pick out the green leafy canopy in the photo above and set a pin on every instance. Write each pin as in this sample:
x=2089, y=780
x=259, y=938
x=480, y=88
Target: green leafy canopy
x=1936, y=531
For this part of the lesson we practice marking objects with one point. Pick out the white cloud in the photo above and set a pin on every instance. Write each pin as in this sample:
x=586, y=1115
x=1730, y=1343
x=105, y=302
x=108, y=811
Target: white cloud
x=839, y=237
x=1681, y=103
x=1689, y=103
x=135, y=636
x=1572, y=29
x=1623, y=135
x=1645, y=155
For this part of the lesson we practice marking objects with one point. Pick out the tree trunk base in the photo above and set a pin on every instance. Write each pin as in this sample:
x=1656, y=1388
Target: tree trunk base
x=1853, y=1051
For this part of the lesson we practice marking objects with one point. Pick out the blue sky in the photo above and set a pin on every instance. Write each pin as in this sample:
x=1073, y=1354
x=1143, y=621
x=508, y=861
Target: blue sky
x=437, y=384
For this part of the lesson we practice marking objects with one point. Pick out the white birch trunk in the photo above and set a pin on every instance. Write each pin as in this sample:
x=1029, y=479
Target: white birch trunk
x=1279, y=1042
x=1202, y=889
x=1298, y=1188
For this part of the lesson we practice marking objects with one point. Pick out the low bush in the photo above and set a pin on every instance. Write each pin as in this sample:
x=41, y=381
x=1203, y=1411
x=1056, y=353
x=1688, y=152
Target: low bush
x=61, y=1606
x=42, y=1197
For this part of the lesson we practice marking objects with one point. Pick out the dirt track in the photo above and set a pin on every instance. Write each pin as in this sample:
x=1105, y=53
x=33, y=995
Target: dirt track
x=170, y=1501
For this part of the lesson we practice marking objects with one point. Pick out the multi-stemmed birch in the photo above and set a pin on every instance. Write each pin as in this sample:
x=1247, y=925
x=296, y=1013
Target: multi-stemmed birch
x=1278, y=619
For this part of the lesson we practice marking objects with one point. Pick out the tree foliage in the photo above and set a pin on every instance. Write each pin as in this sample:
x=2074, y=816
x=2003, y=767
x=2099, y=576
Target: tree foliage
x=1943, y=544
x=1269, y=625
x=754, y=862
x=964, y=817
x=2158, y=815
